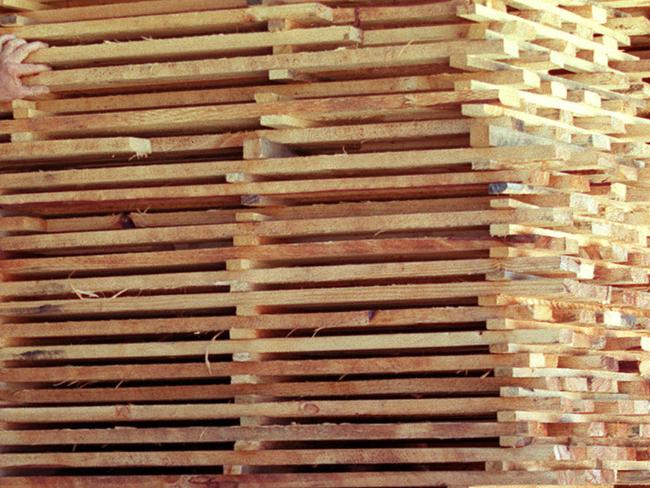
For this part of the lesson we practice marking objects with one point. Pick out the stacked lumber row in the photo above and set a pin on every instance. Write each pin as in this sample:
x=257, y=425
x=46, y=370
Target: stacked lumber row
x=328, y=243
x=629, y=200
x=608, y=366
x=603, y=372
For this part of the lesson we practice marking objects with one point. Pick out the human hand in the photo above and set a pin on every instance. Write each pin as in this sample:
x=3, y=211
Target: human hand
x=13, y=52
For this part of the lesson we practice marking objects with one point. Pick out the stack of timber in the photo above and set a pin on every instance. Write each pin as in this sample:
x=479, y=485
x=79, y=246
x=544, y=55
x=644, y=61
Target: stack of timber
x=327, y=244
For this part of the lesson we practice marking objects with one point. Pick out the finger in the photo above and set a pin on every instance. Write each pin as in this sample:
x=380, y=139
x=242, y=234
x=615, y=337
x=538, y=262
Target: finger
x=31, y=69
x=10, y=46
x=19, y=55
x=5, y=38
x=34, y=91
